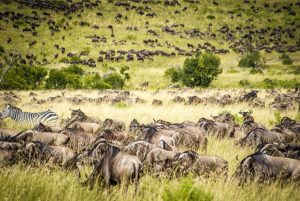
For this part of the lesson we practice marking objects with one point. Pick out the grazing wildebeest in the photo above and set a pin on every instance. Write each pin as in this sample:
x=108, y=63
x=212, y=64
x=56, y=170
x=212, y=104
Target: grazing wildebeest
x=79, y=139
x=158, y=160
x=86, y=127
x=110, y=164
x=260, y=135
x=217, y=129
x=78, y=115
x=190, y=161
x=263, y=167
x=279, y=149
x=114, y=125
x=44, y=137
x=44, y=128
x=39, y=152
x=248, y=122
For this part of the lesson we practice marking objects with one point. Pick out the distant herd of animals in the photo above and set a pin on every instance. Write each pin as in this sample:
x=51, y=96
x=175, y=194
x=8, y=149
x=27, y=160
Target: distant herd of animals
x=117, y=154
x=239, y=38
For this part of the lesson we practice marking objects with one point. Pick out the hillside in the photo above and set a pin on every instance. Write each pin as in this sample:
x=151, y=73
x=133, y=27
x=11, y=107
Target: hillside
x=150, y=36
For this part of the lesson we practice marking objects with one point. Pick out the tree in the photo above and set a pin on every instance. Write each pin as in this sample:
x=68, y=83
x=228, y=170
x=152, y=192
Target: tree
x=200, y=70
x=251, y=59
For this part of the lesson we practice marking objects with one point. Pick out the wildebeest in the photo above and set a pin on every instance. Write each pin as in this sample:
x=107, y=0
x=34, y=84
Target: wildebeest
x=114, y=125
x=44, y=137
x=42, y=153
x=79, y=116
x=110, y=164
x=190, y=161
x=279, y=149
x=262, y=167
x=260, y=135
x=86, y=127
x=159, y=160
x=217, y=129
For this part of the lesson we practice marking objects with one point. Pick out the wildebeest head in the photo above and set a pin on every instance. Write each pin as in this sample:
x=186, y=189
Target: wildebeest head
x=134, y=126
x=76, y=115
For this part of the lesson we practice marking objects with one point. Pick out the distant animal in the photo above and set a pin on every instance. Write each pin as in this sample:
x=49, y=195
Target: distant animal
x=28, y=117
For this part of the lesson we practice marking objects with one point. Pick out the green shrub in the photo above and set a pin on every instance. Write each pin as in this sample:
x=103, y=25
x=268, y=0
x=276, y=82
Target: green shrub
x=244, y=83
x=200, y=70
x=210, y=17
x=64, y=60
x=23, y=77
x=251, y=59
x=115, y=80
x=73, y=69
x=124, y=69
x=256, y=71
x=186, y=190
x=75, y=59
x=1, y=49
x=173, y=74
x=286, y=60
x=95, y=82
x=268, y=83
x=57, y=80
x=69, y=77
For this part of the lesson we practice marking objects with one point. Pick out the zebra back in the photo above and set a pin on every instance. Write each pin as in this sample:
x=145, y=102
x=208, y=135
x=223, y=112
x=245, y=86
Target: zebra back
x=33, y=118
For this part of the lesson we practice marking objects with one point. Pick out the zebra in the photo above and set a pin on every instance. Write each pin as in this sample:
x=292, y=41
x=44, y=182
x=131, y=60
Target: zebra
x=28, y=117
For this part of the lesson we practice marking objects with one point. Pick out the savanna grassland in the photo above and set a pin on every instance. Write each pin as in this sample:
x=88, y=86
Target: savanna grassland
x=272, y=25
x=52, y=183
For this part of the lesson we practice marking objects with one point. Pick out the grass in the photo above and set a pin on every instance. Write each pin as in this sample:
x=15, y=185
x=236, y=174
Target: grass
x=52, y=183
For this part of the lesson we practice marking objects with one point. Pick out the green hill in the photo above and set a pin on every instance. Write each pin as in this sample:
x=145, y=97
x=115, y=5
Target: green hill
x=150, y=36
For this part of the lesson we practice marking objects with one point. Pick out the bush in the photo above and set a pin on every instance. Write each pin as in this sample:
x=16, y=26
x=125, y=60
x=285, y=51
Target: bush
x=200, y=70
x=210, y=17
x=244, y=83
x=256, y=71
x=57, y=80
x=173, y=74
x=185, y=190
x=23, y=77
x=252, y=59
x=286, y=60
x=73, y=69
x=95, y=82
x=69, y=77
x=115, y=80
x=1, y=49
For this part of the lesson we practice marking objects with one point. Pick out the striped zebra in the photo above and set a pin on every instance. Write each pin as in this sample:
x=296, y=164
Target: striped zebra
x=28, y=117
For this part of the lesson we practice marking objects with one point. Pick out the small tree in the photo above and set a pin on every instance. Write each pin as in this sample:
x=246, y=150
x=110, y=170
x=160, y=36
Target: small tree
x=251, y=59
x=173, y=74
x=115, y=80
x=200, y=70
x=23, y=77
x=286, y=60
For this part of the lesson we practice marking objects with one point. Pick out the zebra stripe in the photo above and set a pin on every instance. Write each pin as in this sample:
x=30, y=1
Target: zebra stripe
x=33, y=118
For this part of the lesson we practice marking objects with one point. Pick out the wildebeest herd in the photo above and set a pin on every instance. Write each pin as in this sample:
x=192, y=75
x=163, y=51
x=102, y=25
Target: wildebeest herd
x=116, y=153
x=238, y=38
